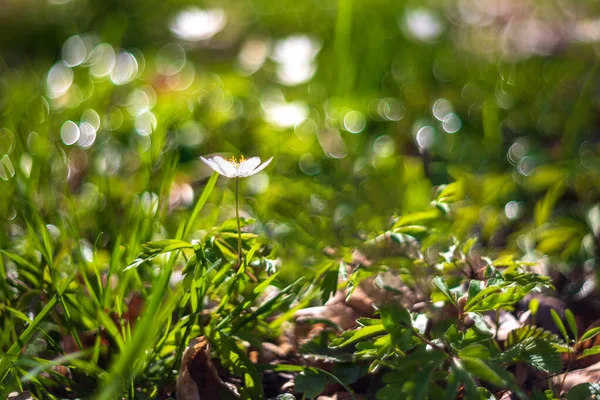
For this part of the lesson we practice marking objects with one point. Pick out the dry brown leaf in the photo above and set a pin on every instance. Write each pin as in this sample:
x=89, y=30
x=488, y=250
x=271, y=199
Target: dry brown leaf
x=507, y=322
x=344, y=310
x=590, y=374
x=20, y=396
x=198, y=378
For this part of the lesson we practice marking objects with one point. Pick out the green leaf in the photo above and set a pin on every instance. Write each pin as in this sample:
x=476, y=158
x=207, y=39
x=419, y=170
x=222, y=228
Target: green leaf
x=590, y=333
x=544, y=207
x=22, y=262
x=584, y=391
x=398, y=323
x=453, y=335
x=505, y=261
x=452, y=383
x=516, y=274
x=18, y=314
x=194, y=295
x=475, y=350
x=269, y=306
x=417, y=231
x=443, y=287
x=475, y=287
x=241, y=364
x=418, y=217
x=166, y=245
x=251, y=252
x=537, y=352
x=559, y=324
x=420, y=383
x=111, y=328
x=530, y=331
x=394, y=315
x=390, y=391
x=481, y=330
x=542, y=356
x=364, y=321
x=495, y=297
x=572, y=324
x=349, y=372
x=485, y=394
x=465, y=377
x=27, y=269
x=451, y=192
x=474, y=301
x=480, y=369
x=329, y=284
x=492, y=373
x=419, y=357
x=310, y=382
x=354, y=336
x=248, y=300
x=590, y=352
x=533, y=306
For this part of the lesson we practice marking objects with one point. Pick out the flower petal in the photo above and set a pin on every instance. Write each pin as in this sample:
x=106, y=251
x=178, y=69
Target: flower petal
x=227, y=168
x=247, y=166
x=263, y=166
x=212, y=164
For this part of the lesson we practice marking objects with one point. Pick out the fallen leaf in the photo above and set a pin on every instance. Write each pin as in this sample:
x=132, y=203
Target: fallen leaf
x=198, y=378
x=570, y=379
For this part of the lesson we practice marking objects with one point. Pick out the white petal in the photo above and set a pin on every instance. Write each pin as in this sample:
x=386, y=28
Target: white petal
x=212, y=164
x=247, y=166
x=263, y=166
x=228, y=168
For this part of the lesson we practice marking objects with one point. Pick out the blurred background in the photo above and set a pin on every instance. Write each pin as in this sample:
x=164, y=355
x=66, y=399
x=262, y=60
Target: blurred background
x=366, y=106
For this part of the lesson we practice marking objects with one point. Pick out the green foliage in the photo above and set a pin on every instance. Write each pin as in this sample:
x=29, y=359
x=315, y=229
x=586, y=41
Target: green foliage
x=236, y=359
x=433, y=161
x=584, y=391
x=311, y=383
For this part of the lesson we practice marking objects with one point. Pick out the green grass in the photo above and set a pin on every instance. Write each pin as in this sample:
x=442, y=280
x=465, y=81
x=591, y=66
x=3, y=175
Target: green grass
x=117, y=252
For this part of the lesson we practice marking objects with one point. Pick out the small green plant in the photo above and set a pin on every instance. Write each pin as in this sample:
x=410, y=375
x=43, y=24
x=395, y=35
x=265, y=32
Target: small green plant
x=452, y=345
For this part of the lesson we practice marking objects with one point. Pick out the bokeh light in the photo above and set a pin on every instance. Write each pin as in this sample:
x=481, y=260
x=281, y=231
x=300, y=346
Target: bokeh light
x=484, y=110
x=195, y=24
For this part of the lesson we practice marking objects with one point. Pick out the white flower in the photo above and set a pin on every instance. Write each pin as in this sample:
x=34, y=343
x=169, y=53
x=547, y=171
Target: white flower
x=236, y=169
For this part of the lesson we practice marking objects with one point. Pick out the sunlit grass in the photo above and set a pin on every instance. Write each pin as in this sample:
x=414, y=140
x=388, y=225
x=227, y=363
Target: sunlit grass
x=447, y=146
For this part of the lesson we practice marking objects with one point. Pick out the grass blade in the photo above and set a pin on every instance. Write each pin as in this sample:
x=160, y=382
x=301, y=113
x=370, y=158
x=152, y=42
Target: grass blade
x=201, y=202
x=12, y=354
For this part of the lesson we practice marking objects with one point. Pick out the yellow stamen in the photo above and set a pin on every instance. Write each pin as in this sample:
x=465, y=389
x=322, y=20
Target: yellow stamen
x=235, y=162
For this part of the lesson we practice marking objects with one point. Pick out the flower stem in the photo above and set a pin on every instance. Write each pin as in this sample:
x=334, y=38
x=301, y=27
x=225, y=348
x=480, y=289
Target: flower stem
x=237, y=217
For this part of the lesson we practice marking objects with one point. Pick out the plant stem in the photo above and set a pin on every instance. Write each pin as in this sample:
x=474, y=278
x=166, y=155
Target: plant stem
x=237, y=217
x=562, y=383
x=429, y=342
